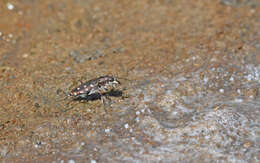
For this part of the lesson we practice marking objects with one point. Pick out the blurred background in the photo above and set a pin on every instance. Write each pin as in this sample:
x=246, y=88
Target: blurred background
x=192, y=92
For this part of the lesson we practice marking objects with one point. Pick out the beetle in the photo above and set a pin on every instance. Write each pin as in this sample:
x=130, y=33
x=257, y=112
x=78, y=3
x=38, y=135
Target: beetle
x=99, y=86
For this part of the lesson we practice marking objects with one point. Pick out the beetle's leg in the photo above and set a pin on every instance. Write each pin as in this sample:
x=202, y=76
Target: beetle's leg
x=109, y=100
x=68, y=107
x=106, y=100
x=63, y=92
x=124, y=95
x=103, y=99
x=82, y=79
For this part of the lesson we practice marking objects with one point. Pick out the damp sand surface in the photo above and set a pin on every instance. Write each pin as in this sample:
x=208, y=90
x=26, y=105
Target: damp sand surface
x=190, y=93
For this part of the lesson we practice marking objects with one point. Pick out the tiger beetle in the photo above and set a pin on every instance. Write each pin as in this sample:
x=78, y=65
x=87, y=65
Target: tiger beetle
x=98, y=87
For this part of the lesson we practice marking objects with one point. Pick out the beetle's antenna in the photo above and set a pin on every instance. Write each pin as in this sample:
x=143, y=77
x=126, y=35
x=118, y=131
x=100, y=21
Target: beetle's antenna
x=66, y=97
x=123, y=78
x=63, y=92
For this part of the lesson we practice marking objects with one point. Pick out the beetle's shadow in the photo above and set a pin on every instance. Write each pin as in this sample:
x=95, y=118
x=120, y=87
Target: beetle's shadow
x=97, y=96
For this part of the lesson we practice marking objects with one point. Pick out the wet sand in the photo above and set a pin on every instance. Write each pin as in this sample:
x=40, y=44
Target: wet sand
x=190, y=93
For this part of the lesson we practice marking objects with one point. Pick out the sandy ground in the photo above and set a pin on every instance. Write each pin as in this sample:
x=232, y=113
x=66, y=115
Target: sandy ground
x=191, y=87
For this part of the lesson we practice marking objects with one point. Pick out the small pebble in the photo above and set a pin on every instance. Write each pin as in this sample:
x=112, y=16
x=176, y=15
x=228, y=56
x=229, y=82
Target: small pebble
x=93, y=161
x=231, y=78
x=205, y=79
x=107, y=130
x=126, y=125
x=71, y=161
x=238, y=100
x=221, y=90
x=137, y=113
x=249, y=77
x=10, y=35
x=137, y=119
x=10, y=6
x=20, y=12
x=217, y=52
x=67, y=68
x=25, y=55
x=82, y=143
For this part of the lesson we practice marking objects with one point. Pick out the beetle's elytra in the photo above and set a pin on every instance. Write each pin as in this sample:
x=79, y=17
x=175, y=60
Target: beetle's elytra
x=101, y=86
